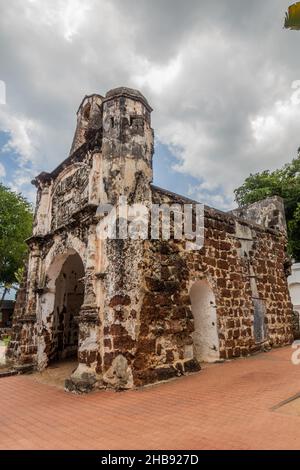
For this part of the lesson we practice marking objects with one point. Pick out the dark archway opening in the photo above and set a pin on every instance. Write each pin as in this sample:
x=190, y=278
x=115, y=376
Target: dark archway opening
x=69, y=294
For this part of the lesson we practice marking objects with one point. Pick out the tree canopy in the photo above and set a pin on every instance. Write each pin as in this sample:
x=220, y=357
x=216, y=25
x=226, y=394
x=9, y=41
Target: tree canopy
x=284, y=182
x=15, y=226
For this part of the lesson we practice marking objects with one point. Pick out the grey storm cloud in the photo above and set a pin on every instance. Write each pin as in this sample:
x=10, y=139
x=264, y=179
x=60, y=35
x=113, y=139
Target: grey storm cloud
x=218, y=74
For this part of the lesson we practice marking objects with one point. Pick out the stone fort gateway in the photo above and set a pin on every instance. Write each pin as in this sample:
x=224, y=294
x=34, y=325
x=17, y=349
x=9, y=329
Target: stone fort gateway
x=136, y=312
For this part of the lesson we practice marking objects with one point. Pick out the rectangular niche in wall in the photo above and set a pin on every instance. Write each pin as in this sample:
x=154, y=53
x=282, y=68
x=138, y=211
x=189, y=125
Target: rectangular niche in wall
x=259, y=320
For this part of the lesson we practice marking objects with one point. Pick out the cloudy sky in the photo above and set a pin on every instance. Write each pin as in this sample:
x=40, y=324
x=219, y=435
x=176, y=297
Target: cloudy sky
x=218, y=74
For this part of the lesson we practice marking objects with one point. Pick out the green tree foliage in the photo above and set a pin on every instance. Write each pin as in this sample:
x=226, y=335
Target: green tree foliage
x=285, y=183
x=15, y=226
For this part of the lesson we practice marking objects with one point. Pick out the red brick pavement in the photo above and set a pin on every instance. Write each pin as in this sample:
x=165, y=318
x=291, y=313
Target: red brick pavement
x=225, y=406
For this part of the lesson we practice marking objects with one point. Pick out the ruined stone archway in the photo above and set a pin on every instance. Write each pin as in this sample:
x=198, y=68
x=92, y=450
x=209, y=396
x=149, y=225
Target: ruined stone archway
x=205, y=336
x=69, y=294
x=59, y=309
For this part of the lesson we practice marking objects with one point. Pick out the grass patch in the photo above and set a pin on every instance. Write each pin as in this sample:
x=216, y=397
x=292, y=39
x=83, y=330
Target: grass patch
x=6, y=340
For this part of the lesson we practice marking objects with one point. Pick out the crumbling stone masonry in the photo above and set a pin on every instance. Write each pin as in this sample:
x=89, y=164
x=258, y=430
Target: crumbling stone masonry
x=135, y=312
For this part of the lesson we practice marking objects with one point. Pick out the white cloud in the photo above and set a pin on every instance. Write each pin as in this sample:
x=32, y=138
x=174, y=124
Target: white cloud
x=24, y=135
x=218, y=75
x=157, y=77
x=212, y=195
x=2, y=93
x=64, y=16
x=2, y=171
x=21, y=182
x=275, y=124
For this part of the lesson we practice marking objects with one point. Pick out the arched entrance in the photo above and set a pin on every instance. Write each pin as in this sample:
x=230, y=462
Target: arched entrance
x=69, y=293
x=205, y=336
x=59, y=307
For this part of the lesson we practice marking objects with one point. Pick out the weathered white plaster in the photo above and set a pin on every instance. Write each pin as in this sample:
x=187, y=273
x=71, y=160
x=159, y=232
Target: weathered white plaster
x=205, y=336
x=294, y=286
x=119, y=375
x=90, y=343
x=2, y=353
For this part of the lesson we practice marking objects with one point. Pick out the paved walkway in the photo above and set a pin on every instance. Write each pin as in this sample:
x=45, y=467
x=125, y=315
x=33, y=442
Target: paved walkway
x=225, y=406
